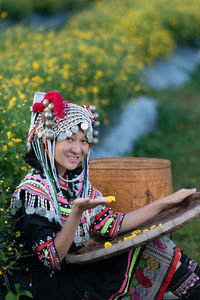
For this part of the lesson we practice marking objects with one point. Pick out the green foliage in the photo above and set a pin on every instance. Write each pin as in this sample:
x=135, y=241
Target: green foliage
x=19, y=292
x=21, y=8
x=10, y=248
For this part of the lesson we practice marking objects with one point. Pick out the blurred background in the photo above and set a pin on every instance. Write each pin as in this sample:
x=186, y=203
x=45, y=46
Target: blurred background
x=100, y=52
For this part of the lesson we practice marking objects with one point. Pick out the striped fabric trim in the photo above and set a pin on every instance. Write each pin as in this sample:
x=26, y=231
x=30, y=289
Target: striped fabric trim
x=107, y=223
x=53, y=258
x=38, y=190
x=116, y=224
x=170, y=274
x=48, y=251
x=132, y=257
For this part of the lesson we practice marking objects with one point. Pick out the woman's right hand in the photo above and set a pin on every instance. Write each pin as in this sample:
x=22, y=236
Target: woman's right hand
x=82, y=204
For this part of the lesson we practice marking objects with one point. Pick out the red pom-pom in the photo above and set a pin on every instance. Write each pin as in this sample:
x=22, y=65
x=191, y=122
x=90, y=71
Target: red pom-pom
x=38, y=107
x=58, y=101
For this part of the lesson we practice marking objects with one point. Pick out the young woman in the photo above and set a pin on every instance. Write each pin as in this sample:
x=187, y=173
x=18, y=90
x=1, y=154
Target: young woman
x=58, y=209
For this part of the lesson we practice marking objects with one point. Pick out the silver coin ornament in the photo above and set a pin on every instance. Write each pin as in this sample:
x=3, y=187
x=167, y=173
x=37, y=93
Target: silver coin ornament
x=95, y=116
x=48, y=115
x=18, y=203
x=96, y=124
x=84, y=126
x=51, y=107
x=30, y=210
x=42, y=211
x=77, y=239
x=62, y=136
x=92, y=108
x=49, y=123
x=95, y=141
x=50, y=134
x=95, y=133
x=68, y=133
x=46, y=102
x=89, y=135
x=12, y=211
x=74, y=128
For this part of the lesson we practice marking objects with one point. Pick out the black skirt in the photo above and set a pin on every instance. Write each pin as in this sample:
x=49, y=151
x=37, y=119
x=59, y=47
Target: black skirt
x=92, y=281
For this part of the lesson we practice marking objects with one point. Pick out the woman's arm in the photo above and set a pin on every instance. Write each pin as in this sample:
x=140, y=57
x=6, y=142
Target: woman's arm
x=135, y=218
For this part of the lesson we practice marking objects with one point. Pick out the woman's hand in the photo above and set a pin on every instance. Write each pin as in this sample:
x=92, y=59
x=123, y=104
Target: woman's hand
x=82, y=204
x=176, y=198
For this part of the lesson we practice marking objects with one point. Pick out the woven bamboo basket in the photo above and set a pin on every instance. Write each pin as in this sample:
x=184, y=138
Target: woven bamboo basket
x=134, y=181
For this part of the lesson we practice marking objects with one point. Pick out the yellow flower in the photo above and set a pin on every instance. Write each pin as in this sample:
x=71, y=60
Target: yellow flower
x=107, y=244
x=10, y=144
x=6, y=222
x=10, y=249
x=153, y=226
x=127, y=238
x=17, y=140
x=35, y=65
x=21, y=96
x=95, y=89
x=1, y=273
x=24, y=168
x=21, y=245
x=111, y=198
x=4, y=148
x=17, y=234
x=9, y=134
x=4, y=14
x=160, y=224
x=145, y=230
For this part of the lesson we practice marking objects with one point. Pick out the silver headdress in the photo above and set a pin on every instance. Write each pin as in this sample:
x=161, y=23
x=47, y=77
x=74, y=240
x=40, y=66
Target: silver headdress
x=48, y=124
x=54, y=119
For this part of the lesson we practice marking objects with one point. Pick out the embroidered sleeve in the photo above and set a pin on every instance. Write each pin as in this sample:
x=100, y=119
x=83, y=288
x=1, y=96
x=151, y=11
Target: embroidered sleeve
x=39, y=236
x=106, y=222
x=47, y=254
x=103, y=220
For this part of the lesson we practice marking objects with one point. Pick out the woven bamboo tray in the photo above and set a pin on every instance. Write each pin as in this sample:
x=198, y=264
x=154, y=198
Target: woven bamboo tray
x=134, y=181
x=171, y=219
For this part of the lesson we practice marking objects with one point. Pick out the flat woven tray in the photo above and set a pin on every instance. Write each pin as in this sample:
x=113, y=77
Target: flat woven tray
x=167, y=221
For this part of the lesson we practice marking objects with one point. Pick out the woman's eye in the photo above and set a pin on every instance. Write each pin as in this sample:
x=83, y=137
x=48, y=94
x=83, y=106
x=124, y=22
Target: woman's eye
x=69, y=139
x=84, y=141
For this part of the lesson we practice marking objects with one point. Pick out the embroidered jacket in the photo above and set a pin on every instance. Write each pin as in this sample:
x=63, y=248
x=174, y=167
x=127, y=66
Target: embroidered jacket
x=41, y=222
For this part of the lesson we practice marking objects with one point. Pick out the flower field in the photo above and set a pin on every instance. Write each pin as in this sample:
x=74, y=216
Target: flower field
x=97, y=57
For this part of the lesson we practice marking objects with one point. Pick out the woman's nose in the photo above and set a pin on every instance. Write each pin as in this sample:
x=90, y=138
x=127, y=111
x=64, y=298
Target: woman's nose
x=76, y=147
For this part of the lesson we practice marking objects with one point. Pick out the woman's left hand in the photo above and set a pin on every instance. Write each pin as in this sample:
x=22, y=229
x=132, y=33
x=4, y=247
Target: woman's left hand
x=176, y=197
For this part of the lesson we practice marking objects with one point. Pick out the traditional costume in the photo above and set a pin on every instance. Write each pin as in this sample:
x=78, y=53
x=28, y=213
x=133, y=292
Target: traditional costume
x=42, y=202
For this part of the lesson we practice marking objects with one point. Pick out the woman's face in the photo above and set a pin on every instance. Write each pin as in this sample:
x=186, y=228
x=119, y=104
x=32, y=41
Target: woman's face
x=70, y=152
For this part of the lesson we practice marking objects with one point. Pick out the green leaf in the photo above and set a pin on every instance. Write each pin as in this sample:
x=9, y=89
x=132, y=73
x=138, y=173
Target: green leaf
x=11, y=296
x=26, y=293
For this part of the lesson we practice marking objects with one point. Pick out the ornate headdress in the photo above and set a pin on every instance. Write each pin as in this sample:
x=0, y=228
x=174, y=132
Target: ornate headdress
x=53, y=119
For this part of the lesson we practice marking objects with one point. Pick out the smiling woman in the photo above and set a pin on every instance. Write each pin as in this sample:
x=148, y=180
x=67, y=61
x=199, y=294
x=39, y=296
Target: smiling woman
x=58, y=210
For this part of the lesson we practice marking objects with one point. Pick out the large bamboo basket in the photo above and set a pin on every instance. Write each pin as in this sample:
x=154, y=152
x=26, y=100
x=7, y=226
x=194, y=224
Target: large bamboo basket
x=134, y=181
